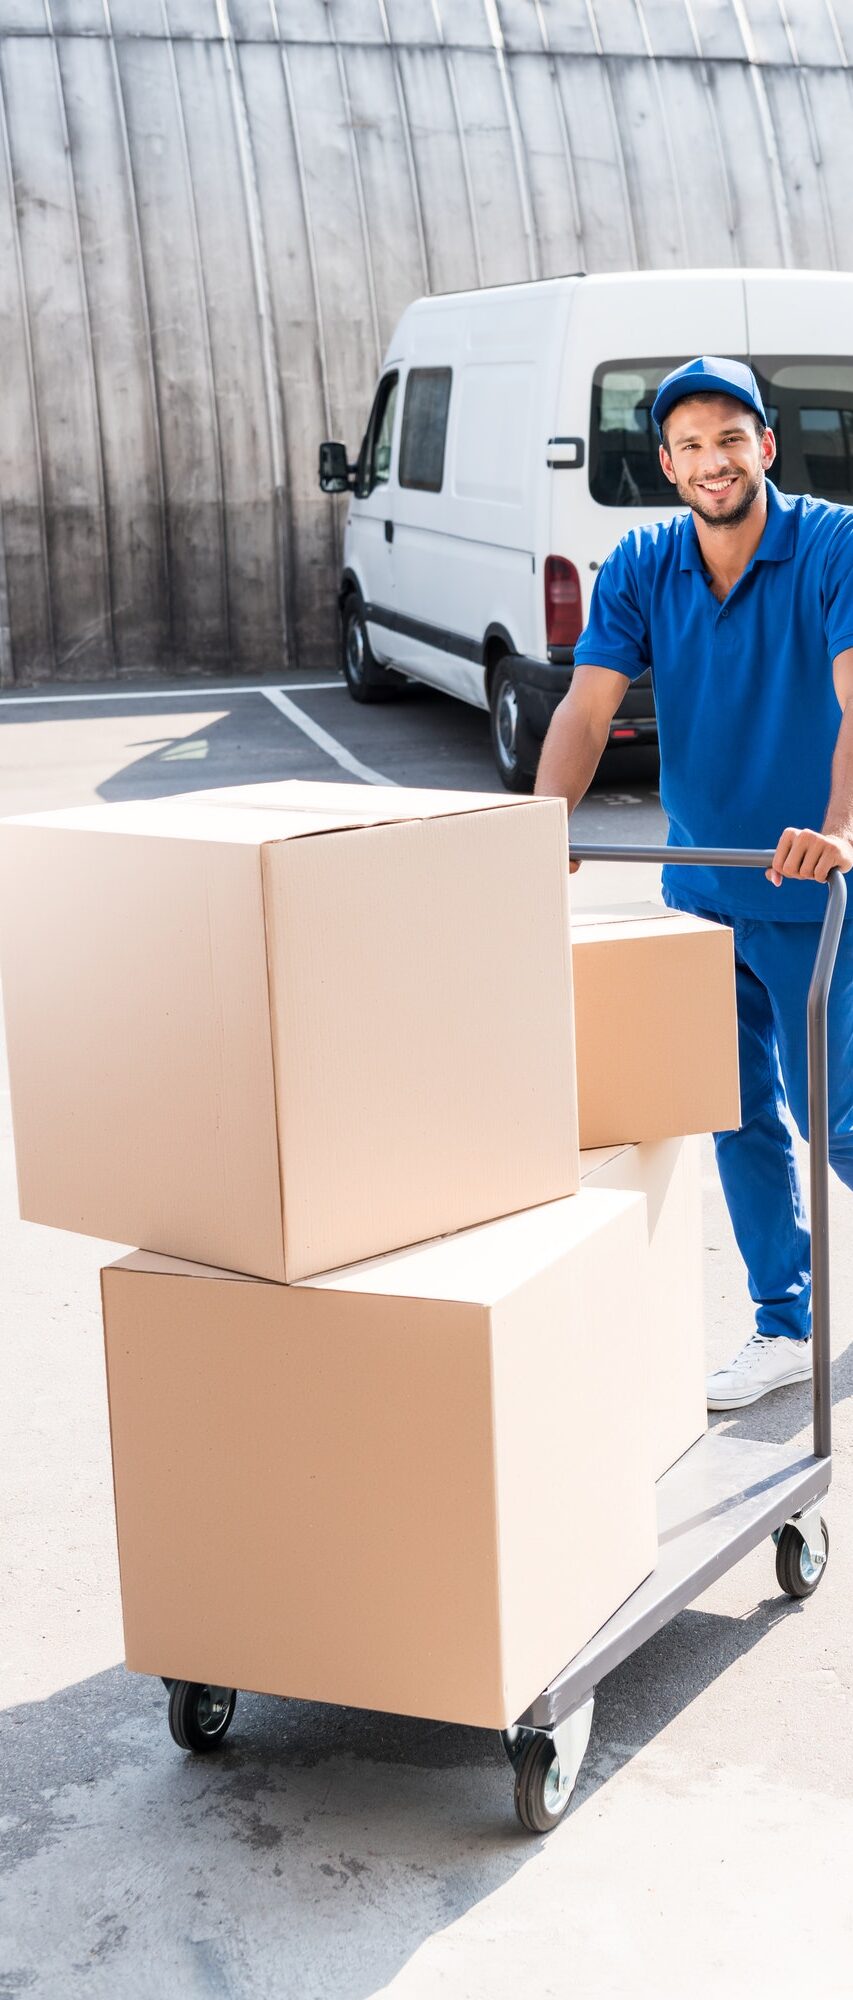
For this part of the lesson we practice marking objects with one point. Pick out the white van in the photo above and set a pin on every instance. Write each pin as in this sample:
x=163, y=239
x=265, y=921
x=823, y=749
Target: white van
x=510, y=446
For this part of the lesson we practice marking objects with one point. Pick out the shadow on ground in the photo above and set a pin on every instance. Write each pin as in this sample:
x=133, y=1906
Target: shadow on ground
x=328, y=1842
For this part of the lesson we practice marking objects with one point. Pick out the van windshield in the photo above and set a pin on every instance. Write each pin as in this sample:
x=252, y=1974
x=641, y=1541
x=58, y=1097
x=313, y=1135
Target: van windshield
x=809, y=404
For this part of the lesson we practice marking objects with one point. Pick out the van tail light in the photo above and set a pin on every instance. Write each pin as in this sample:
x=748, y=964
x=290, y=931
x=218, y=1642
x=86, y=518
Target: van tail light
x=563, y=615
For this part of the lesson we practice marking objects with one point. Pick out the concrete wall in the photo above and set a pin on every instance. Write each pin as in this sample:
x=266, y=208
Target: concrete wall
x=213, y=211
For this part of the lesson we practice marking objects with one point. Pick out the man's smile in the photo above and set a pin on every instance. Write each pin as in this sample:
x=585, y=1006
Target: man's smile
x=723, y=484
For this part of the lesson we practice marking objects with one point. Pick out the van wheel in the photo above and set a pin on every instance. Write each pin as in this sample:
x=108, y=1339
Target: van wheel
x=365, y=678
x=515, y=750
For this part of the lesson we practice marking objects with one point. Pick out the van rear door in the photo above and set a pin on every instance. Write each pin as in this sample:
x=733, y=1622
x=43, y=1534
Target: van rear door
x=624, y=335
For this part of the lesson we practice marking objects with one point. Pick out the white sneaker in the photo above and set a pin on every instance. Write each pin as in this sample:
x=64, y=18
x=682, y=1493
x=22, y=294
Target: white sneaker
x=768, y=1361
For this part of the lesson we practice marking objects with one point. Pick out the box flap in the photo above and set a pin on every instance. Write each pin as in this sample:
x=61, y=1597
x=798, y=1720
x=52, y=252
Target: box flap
x=626, y=926
x=482, y=1265
x=177, y=1267
x=256, y=814
x=353, y=805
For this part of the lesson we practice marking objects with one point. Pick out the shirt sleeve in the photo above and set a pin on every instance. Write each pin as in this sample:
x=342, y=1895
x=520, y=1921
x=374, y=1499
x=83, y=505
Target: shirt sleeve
x=838, y=587
x=616, y=634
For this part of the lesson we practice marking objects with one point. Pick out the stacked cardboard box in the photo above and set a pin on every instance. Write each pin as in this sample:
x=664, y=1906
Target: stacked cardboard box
x=319, y=1041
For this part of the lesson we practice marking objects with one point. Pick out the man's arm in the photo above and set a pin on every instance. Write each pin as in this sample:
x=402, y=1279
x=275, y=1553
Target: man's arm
x=801, y=851
x=578, y=734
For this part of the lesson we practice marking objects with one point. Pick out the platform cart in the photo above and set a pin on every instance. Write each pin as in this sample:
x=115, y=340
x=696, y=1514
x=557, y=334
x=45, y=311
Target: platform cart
x=714, y=1506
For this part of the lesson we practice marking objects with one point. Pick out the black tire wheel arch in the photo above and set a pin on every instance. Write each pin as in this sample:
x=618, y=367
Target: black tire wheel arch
x=365, y=678
x=796, y=1574
x=515, y=750
x=539, y=1803
x=200, y=1715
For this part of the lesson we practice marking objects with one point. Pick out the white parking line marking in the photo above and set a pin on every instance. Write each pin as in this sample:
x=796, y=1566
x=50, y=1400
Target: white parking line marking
x=323, y=740
x=157, y=694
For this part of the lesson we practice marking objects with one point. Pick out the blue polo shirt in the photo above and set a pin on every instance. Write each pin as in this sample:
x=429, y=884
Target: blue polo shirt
x=747, y=712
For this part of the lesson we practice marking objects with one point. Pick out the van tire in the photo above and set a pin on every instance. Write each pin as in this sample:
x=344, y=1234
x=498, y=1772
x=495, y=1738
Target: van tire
x=514, y=749
x=365, y=678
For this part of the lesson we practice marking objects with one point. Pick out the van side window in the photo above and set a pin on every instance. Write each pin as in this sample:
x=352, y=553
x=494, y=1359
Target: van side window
x=374, y=459
x=624, y=469
x=424, y=429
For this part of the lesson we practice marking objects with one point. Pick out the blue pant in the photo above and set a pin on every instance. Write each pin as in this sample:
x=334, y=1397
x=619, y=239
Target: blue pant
x=757, y=1164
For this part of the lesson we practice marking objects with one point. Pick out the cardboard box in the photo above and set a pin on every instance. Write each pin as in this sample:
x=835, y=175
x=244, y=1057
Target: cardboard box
x=280, y=1040
x=655, y=1025
x=419, y=1485
x=667, y=1172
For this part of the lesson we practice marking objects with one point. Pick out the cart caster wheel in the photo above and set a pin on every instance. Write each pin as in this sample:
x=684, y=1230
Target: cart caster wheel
x=797, y=1573
x=200, y=1716
x=542, y=1798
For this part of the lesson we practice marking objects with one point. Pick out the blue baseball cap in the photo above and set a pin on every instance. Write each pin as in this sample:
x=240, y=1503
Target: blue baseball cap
x=708, y=375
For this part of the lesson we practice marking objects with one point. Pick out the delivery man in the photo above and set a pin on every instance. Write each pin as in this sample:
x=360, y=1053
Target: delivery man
x=743, y=611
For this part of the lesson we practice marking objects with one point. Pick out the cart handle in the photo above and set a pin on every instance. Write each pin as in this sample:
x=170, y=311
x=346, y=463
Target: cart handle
x=821, y=980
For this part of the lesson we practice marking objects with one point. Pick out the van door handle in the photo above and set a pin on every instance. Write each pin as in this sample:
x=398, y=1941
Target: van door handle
x=389, y=531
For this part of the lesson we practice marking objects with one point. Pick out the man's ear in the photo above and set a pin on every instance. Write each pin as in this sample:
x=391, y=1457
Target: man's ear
x=768, y=449
x=667, y=467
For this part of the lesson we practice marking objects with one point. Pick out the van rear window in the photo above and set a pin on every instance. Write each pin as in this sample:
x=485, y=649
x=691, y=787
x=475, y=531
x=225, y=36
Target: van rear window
x=424, y=430
x=809, y=404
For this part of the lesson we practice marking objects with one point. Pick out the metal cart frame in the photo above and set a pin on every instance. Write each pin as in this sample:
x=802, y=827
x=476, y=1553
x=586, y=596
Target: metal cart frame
x=715, y=1504
x=719, y=1500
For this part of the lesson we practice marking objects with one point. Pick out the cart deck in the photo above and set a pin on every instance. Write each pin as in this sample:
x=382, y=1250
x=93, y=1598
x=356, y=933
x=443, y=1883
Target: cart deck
x=718, y=1502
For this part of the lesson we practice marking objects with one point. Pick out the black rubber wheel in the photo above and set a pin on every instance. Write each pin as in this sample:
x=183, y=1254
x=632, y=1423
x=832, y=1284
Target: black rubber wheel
x=515, y=751
x=796, y=1573
x=365, y=678
x=539, y=1801
x=200, y=1716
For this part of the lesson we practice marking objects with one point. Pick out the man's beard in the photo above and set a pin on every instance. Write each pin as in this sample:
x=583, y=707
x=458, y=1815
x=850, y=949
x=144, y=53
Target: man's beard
x=738, y=512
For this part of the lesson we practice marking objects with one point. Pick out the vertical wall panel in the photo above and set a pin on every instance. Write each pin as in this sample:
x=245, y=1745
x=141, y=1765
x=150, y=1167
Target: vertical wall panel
x=300, y=347
x=669, y=26
x=547, y=147
x=812, y=31
x=700, y=166
x=655, y=192
x=599, y=167
x=568, y=27
x=232, y=318
x=759, y=228
x=21, y=497
x=77, y=17
x=619, y=26
x=440, y=170
x=494, y=178
x=389, y=197
x=198, y=606
x=521, y=25
x=830, y=96
x=810, y=238
x=127, y=413
x=842, y=11
x=411, y=21
x=770, y=43
x=340, y=247
x=61, y=360
x=718, y=29
x=136, y=17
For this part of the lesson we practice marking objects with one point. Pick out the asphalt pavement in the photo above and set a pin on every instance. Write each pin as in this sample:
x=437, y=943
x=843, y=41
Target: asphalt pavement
x=328, y=1852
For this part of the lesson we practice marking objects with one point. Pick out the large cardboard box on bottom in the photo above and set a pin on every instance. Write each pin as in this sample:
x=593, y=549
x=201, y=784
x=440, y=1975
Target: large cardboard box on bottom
x=418, y=1485
x=280, y=1039
x=667, y=1172
x=655, y=1025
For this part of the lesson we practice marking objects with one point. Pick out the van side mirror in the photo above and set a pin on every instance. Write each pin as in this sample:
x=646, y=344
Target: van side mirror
x=336, y=475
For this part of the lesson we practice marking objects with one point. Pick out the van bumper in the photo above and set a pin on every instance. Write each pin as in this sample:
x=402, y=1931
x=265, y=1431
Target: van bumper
x=543, y=683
